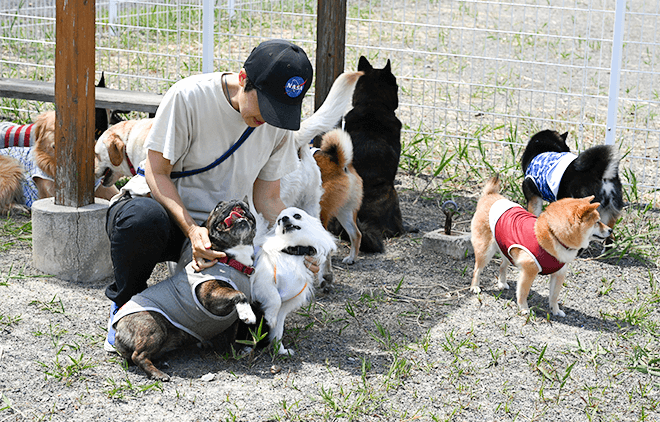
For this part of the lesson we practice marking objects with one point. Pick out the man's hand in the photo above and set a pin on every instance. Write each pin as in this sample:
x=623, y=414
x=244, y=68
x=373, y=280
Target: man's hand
x=203, y=255
x=312, y=264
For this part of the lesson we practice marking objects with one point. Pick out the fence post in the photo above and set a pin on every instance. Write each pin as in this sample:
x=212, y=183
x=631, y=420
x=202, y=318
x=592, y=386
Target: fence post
x=68, y=231
x=207, y=35
x=330, y=46
x=74, y=102
x=615, y=71
x=112, y=15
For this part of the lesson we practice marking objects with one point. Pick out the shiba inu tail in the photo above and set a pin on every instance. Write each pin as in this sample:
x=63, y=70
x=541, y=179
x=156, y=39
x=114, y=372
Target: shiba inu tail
x=493, y=185
x=332, y=110
x=338, y=146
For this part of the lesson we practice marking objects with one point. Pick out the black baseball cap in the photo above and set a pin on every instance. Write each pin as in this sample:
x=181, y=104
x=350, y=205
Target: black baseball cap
x=282, y=74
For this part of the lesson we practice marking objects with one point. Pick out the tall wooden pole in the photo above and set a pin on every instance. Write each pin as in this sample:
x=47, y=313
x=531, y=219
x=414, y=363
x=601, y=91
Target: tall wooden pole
x=330, y=46
x=74, y=102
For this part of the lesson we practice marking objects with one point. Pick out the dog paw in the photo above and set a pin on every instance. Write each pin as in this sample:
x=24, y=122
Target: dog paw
x=328, y=278
x=164, y=377
x=245, y=313
x=157, y=375
x=245, y=351
x=502, y=285
x=475, y=289
x=348, y=260
x=558, y=312
x=287, y=352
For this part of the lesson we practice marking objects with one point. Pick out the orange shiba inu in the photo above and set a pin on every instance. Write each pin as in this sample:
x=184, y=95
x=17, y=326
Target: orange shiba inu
x=542, y=245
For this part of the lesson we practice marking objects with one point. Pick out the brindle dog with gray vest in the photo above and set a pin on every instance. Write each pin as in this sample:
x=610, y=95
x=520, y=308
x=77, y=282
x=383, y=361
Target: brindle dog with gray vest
x=190, y=306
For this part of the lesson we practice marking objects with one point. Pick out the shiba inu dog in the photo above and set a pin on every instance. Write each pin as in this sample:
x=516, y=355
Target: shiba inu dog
x=375, y=132
x=542, y=245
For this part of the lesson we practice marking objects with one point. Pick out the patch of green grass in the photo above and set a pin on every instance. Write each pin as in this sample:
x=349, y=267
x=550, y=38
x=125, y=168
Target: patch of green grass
x=20, y=275
x=55, y=305
x=54, y=332
x=67, y=368
x=638, y=310
x=10, y=320
x=15, y=233
x=125, y=388
x=636, y=235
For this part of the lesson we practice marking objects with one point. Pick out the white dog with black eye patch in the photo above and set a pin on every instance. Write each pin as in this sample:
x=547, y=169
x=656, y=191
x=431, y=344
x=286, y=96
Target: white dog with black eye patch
x=281, y=282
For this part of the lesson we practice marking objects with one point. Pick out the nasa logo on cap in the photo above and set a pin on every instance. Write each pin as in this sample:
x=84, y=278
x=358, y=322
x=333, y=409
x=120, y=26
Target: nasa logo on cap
x=294, y=86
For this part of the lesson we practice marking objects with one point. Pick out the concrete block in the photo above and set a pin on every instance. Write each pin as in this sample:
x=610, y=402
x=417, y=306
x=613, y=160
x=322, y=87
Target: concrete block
x=71, y=243
x=457, y=245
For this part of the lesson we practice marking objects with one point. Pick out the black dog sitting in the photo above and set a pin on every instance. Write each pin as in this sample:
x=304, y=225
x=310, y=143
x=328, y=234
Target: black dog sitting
x=376, y=134
x=191, y=306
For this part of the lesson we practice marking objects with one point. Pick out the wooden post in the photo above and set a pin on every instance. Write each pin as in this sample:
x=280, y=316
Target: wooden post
x=330, y=46
x=74, y=102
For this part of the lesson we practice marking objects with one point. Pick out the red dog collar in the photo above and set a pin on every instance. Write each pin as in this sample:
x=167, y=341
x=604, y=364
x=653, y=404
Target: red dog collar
x=245, y=269
x=130, y=164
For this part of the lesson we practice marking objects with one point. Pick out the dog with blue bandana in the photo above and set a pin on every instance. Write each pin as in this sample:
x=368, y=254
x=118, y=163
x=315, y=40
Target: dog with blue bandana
x=552, y=172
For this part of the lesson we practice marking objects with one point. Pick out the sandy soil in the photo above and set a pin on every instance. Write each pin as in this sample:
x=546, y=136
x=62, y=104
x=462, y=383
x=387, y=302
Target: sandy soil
x=400, y=337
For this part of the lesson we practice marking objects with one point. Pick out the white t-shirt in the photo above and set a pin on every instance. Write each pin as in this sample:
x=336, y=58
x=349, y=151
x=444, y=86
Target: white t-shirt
x=195, y=124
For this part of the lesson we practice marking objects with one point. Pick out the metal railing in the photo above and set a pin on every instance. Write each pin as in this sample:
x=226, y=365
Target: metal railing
x=477, y=78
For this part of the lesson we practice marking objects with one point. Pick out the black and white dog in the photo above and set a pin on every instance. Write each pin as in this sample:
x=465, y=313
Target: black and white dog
x=552, y=172
x=282, y=283
x=189, y=306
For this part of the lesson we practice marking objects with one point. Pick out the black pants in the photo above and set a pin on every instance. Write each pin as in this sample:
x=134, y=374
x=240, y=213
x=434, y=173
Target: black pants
x=141, y=235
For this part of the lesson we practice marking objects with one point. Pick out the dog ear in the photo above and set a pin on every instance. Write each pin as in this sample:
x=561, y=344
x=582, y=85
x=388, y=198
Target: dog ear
x=388, y=66
x=101, y=83
x=363, y=64
x=589, y=198
x=115, y=149
x=587, y=210
x=563, y=136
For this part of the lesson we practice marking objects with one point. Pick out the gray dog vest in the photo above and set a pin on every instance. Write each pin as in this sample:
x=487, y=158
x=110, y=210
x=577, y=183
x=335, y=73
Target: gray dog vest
x=176, y=300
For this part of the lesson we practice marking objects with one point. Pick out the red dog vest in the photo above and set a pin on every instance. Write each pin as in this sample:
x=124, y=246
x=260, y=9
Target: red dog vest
x=513, y=227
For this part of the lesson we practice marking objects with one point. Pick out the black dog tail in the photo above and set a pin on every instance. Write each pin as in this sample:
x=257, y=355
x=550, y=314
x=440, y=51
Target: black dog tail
x=601, y=160
x=372, y=238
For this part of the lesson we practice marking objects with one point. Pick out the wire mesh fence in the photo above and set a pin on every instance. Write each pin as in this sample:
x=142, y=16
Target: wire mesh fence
x=477, y=78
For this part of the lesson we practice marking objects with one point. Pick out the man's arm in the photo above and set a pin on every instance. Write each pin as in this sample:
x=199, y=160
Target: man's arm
x=157, y=172
x=267, y=201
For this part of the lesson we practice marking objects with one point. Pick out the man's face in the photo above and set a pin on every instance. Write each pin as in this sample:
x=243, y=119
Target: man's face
x=248, y=104
x=249, y=107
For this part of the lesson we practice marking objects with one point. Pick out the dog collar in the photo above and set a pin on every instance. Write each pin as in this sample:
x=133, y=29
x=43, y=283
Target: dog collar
x=130, y=165
x=245, y=269
x=300, y=250
x=560, y=242
x=565, y=247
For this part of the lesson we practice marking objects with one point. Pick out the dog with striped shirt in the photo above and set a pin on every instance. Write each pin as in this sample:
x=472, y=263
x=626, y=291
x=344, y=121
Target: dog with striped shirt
x=27, y=163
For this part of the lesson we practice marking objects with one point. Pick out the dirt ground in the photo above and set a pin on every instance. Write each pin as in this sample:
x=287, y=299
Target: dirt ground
x=398, y=338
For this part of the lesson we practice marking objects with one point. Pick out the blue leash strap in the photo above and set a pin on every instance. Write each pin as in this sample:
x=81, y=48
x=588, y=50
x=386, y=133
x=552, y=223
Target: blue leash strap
x=178, y=174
